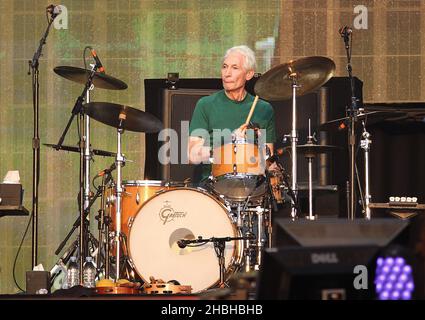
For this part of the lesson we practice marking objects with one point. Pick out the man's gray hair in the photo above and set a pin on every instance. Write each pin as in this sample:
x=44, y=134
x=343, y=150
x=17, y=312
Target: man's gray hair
x=249, y=55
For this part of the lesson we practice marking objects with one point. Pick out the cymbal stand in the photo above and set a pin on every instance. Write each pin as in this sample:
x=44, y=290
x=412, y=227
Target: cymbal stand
x=365, y=145
x=119, y=164
x=310, y=157
x=103, y=227
x=34, y=71
x=353, y=112
x=85, y=157
x=294, y=141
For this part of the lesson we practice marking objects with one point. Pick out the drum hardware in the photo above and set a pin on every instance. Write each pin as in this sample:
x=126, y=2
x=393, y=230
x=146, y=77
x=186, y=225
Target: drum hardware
x=34, y=72
x=90, y=79
x=95, y=152
x=90, y=241
x=122, y=118
x=365, y=145
x=219, y=247
x=295, y=78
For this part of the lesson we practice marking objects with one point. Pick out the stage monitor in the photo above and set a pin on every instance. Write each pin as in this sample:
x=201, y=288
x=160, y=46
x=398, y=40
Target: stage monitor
x=313, y=273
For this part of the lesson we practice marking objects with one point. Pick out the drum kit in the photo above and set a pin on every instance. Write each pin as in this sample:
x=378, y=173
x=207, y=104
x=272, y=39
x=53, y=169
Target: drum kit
x=197, y=236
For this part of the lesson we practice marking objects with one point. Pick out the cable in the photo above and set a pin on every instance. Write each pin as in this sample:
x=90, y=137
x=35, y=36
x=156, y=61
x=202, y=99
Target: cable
x=19, y=249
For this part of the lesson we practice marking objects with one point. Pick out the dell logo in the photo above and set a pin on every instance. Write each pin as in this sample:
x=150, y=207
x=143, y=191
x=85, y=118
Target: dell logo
x=327, y=257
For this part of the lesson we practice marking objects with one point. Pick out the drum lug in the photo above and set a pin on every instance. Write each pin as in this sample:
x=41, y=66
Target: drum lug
x=235, y=169
x=130, y=221
x=137, y=198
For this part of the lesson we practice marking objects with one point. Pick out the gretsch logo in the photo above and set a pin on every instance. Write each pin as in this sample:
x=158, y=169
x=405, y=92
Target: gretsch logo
x=168, y=214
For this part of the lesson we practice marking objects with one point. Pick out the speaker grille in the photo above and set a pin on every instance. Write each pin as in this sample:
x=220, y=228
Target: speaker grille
x=178, y=106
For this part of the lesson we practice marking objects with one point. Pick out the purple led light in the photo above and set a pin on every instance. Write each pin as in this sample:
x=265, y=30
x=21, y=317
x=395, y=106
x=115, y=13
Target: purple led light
x=406, y=295
x=403, y=278
x=385, y=269
x=395, y=295
x=384, y=295
x=407, y=269
x=410, y=286
x=393, y=279
x=388, y=286
x=399, y=286
x=400, y=261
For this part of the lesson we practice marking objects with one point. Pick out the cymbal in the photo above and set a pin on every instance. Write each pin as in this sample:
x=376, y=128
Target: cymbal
x=312, y=149
x=77, y=149
x=135, y=119
x=370, y=117
x=311, y=73
x=100, y=80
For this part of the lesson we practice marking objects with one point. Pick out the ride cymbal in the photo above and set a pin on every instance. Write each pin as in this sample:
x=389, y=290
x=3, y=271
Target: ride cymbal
x=100, y=80
x=310, y=73
x=128, y=118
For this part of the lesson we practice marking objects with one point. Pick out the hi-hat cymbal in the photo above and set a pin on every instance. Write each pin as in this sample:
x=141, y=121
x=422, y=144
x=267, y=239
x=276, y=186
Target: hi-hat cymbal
x=132, y=119
x=310, y=150
x=370, y=117
x=310, y=72
x=77, y=149
x=100, y=80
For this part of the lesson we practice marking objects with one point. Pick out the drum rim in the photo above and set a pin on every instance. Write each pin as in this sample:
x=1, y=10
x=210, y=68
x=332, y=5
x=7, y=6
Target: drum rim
x=144, y=182
x=237, y=256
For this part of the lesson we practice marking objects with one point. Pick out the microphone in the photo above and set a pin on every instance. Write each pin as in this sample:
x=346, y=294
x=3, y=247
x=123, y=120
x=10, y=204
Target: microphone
x=182, y=244
x=345, y=31
x=107, y=171
x=98, y=63
x=54, y=10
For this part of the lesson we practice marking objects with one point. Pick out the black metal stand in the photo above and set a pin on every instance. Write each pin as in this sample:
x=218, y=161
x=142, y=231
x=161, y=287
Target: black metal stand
x=219, y=246
x=352, y=113
x=34, y=71
x=78, y=221
x=78, y=109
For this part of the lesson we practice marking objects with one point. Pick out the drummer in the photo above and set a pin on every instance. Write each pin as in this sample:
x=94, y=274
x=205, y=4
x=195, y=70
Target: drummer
x=229, y=109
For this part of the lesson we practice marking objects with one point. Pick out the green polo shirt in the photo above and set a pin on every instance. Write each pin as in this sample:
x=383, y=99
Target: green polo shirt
x=217, y=112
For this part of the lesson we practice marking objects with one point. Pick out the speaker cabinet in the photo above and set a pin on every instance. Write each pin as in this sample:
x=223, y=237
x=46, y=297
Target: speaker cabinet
x=178, y=107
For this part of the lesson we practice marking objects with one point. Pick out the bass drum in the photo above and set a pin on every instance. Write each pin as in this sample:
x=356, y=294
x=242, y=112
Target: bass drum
x=183, y=213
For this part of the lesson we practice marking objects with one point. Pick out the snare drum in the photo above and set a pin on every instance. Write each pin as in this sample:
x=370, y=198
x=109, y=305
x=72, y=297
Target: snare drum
x=238, y=170
x=183, y=213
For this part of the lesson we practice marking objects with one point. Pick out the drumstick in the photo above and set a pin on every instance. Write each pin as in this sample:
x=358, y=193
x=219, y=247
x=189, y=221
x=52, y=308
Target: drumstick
x=251, y=111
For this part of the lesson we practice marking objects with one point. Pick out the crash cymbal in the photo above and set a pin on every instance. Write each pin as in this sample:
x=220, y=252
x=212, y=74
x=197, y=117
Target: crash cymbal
x=370, y=117
x=77, y=149
x=100, y=80
x=311, y=73
x=312, y=149
x=134, y=119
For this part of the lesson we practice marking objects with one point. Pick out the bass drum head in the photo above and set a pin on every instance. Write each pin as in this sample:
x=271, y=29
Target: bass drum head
x=177, y=214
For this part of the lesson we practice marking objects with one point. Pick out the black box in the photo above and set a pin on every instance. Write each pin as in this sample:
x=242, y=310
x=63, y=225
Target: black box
x=11, y=194
x=37, y=280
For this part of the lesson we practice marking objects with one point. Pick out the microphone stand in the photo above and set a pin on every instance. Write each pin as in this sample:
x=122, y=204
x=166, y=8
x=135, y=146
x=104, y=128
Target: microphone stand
x=34, y=71
x=352, y=113
x=219, y=246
